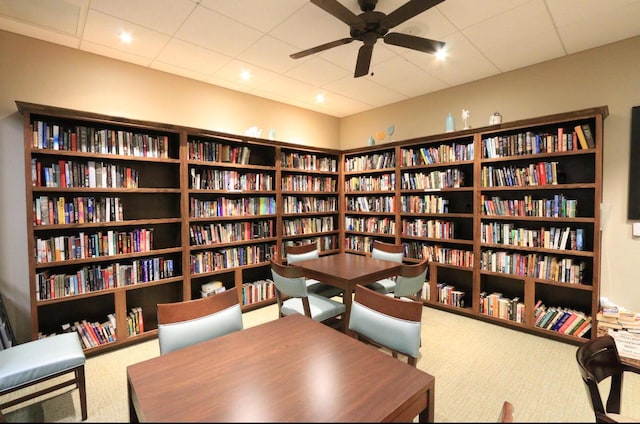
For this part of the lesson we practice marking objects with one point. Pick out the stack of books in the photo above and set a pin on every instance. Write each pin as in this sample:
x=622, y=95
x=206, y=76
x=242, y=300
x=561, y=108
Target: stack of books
x=616, y=318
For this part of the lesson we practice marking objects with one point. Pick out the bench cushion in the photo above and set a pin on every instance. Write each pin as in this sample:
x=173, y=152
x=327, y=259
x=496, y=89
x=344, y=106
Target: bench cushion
x=39, y=358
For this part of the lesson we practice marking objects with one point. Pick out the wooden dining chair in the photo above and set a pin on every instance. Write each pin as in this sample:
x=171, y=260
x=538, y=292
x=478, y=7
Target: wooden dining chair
x=302, y=252
x=387, y=252
x=598, y=360
x=387, y=322
x=293, y=297
x=181, y=324
x=410, y=280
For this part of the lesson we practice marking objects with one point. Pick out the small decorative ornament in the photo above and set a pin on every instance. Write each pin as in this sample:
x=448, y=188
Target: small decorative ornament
x=450, y=123
x=272, y=134
x=390, y=130
x=495, y=119
x=465, y=118
x=372, y=141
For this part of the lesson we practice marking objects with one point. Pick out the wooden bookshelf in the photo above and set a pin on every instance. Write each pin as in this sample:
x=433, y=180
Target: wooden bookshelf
x=173, y=208
x=481, y=203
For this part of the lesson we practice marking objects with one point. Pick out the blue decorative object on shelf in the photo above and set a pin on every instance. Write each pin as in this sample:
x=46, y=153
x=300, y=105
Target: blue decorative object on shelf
x=450, y=123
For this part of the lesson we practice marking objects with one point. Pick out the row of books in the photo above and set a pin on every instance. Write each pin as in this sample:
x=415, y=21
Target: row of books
x=232, y=206
x=76, y=210
x=220, y=259
x=212, y=151
x=228, y=232
x=226, y=179
x=370, y=224
x=304, y=204
x=438, y=253
x=294, y=227
x=448, y=295
x=386, y=204
x=563, y=270
x=308, y=162
x=528, y=143
x=99, y=244
x=79, y=138
x=443, y=153
x=380, y=160
x=496, y=304
x=91, y=174
x=535, y=174
x=434, y=180
x=359, y=243
x=432, y=228
x=562, y=320
x=101, y=277
x=557, y=207
x=548, y=238
x=427, y=203
x=93, y=334
x=257, y=291
x=308, y=183
x=383, y=182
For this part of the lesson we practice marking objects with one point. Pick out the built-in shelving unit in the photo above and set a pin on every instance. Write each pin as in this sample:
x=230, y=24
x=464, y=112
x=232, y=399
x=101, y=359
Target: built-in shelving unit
x=125, y=214
x=508, y=215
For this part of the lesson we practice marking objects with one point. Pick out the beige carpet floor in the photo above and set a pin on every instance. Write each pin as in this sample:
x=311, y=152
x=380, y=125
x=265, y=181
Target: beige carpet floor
x=477, y=365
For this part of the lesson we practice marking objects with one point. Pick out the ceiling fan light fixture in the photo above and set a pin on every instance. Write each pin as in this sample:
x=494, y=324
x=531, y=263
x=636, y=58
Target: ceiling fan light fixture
x=370, y=25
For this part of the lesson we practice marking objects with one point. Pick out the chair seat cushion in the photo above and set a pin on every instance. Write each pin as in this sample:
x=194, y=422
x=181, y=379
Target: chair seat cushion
x=322, y=308
x=39, y=358
x=386, y=285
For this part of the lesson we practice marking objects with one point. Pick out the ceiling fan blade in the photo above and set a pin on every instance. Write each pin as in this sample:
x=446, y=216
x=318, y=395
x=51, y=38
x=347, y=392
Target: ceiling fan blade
x=336, y=9
x=412, y=42
x=320, y=48
x=364, y=60
x=407, y=11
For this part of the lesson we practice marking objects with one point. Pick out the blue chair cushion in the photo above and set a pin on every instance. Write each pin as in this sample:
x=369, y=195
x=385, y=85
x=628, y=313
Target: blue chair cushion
x=322, y=308
x=386, y=285
x=40, y=358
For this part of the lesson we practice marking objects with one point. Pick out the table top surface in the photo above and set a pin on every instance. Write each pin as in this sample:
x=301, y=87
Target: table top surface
x=291, y=369
x=350, y=267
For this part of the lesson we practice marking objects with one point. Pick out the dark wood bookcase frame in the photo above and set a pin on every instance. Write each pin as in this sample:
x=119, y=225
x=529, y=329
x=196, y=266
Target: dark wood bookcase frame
x=165, y=199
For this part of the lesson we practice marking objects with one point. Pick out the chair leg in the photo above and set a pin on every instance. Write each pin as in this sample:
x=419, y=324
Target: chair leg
x=82, y=391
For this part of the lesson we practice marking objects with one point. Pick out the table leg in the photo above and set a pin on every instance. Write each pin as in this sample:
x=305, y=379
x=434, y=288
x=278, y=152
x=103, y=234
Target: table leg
x=428, y=414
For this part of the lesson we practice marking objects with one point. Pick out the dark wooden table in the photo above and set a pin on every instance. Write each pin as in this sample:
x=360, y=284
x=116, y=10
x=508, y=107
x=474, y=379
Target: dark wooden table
x=292, y=369
x=347, y=270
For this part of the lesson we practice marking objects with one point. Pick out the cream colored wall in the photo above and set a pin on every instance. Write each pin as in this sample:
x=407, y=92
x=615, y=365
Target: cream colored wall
x=39, y=72
x=608, y=75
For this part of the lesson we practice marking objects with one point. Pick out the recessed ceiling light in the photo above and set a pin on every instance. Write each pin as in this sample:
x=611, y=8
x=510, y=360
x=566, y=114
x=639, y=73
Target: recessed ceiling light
x=320, y=98
x=245, y=75
x=125, y=37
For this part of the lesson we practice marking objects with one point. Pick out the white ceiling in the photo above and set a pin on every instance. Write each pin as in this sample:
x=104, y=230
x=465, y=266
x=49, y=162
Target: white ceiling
x=214, y=40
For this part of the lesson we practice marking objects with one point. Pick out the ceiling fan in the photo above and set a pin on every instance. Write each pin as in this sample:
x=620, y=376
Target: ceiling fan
x=371, y=25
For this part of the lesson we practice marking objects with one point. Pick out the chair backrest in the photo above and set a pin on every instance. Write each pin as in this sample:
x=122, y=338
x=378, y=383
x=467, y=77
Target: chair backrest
x=506, y=413
x=387, y=322
x=411, y=279
x=181, y=324
x=387, y=251
x=290, y=281
x=301, y=252
x=598, y=359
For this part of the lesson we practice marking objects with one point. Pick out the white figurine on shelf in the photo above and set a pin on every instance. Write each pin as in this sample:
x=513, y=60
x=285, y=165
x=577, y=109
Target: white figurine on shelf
x=465, y=118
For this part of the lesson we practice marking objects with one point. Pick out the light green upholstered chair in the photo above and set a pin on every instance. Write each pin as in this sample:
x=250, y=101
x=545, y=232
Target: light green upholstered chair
x=38, y=361
x=293, y=297
x=302, y=252
x=410, y=280
x=387, y=322
x=182, y=324
x=387, y=252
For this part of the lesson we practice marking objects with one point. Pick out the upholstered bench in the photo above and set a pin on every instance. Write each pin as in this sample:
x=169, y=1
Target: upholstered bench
x=26, y=364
